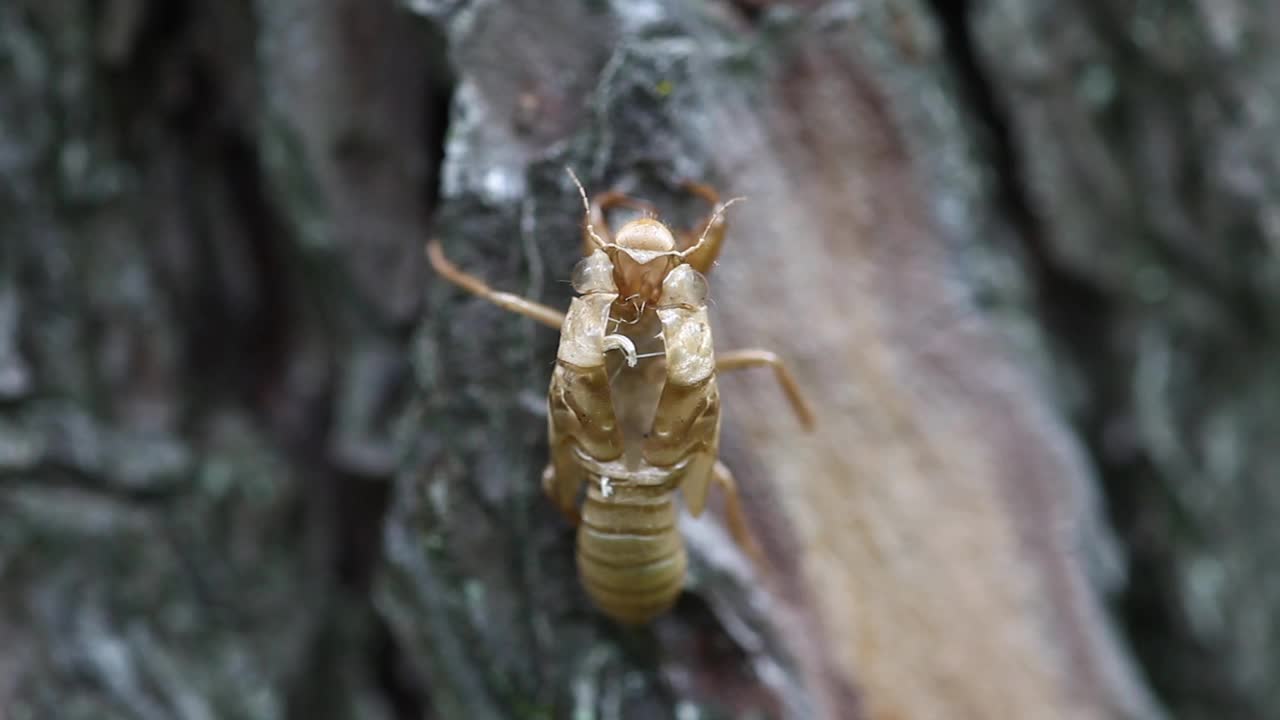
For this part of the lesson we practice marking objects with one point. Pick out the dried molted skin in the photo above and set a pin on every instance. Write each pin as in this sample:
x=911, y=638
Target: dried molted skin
x=687, y=423
x=702, y=257
x=643, y=259
x=691, y=357
x=645, y=239
x=585, y=327
x=687, y=427
x=631, y=558
x=633, y=434
x=688, y=419
x=579, y=404
x=684, y=287
x=594, y=274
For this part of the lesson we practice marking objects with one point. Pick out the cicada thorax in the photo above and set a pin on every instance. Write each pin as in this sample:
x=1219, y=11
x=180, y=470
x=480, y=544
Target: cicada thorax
x=634, y=435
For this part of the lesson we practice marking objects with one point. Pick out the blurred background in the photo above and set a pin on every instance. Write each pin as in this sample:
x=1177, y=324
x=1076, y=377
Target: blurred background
x=256, y=461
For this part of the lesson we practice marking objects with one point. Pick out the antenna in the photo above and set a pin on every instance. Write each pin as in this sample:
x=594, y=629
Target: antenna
x=714, y=217
x=586, y=208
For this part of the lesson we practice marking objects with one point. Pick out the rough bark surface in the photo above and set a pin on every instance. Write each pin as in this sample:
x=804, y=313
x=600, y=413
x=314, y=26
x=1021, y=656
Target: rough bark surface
x=1140, y=148
x=255, y=461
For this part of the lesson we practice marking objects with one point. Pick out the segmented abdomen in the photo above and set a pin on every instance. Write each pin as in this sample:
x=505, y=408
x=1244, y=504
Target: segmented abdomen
x=631, y=558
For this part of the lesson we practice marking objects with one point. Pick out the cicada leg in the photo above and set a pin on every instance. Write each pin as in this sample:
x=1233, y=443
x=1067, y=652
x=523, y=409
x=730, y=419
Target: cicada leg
x=734, y=514
x=739, y=359
x=474, y=285
x=549, y=487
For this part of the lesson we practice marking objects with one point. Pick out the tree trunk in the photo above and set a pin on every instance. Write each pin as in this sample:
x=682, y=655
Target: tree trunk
x=249, y=468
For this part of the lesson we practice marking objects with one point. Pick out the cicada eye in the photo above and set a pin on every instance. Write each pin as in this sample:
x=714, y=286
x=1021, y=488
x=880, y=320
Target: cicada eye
x=684, y=286
x=593, y=274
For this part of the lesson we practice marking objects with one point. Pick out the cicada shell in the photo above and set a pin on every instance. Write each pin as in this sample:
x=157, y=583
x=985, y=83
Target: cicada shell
x=633, y=409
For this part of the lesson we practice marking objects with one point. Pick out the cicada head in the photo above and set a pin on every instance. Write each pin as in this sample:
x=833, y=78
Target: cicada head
x=643, y=252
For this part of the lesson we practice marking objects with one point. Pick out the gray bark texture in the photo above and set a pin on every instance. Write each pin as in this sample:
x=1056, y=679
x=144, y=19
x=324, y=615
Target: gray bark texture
x=256, y=461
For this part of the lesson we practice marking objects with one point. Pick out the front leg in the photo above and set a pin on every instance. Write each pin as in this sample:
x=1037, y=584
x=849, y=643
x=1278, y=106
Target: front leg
x=507, y=301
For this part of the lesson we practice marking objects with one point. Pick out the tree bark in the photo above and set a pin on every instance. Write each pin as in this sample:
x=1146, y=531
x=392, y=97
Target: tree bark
x=250, y=468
